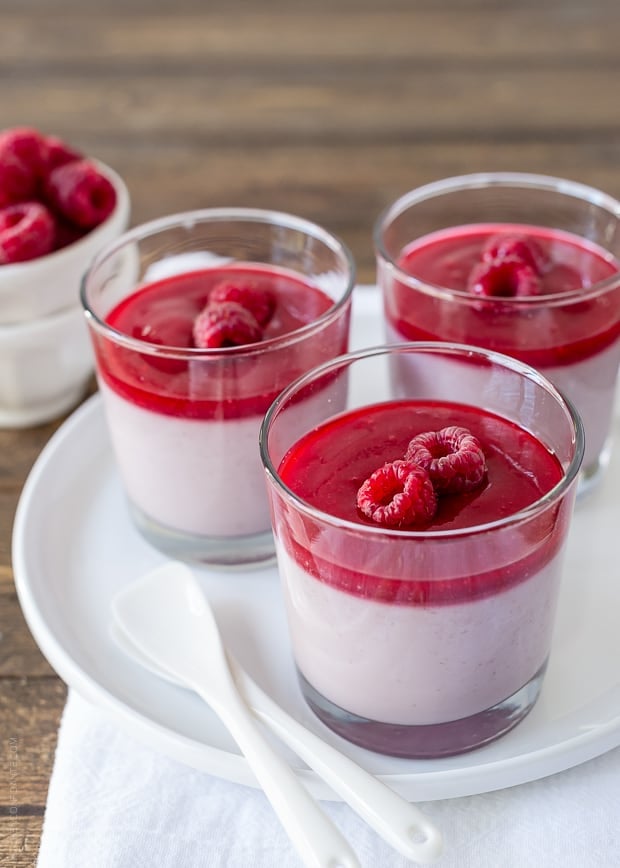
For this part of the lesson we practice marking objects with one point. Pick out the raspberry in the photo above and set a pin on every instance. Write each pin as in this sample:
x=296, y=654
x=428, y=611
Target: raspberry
x=504, y=278
x=526, y=249
x=59, y=153
x=22, y=164
x=165, y=329
x=397, y=495
x=260, y=302
x=452, y=457
x=81, y=193
x=67, y=233
x=227, y=324
x=27, y=230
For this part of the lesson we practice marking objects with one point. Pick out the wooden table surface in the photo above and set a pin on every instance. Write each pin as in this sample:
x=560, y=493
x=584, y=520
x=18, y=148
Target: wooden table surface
x=327, y=109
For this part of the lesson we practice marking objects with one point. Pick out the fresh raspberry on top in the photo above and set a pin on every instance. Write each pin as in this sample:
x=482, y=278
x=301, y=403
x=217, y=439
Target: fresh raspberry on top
x=509, y=277
x=27, y=231
x=59, y=153
x=23, y=156
x=260, y=302
x=399, y=494
x=226, y=324
x=509, y=246
x=79, y=192
x=452, y=457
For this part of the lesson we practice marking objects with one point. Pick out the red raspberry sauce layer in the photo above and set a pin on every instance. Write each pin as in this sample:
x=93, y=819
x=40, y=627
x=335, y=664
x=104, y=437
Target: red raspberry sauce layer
x=225, y=385
x=549, y=334
x=327, y=466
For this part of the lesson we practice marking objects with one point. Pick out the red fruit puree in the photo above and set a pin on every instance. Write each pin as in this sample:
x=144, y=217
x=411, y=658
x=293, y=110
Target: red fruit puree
x=471, y=260
x=245, y=379
x=328, y=465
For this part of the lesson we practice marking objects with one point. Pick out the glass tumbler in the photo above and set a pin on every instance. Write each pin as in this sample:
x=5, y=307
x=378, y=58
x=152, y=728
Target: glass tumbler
x=559, y=313
x=432, y=640
x=184, y=419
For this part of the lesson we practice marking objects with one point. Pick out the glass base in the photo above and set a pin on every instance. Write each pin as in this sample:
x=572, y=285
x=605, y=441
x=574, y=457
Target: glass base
x=590, y=476
x=428, y=741
x=223, y=552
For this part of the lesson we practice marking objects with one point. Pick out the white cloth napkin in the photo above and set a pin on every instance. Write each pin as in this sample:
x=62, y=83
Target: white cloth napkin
x=115, y=804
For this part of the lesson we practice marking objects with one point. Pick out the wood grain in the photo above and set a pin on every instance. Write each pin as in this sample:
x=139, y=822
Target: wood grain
x=329, y=110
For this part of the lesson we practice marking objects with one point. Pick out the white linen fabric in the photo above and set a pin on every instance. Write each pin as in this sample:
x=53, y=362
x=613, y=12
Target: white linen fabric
x=114, y=803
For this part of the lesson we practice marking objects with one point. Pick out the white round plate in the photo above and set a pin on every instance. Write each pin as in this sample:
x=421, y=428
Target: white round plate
x=74, y=546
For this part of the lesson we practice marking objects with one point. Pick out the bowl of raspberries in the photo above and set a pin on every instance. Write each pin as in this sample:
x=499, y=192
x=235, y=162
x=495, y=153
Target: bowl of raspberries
x=58, y=208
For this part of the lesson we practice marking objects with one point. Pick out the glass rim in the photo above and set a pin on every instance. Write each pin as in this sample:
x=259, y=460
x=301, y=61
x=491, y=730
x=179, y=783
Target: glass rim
x=185, y=219
x=487, y=180
x=454, y=349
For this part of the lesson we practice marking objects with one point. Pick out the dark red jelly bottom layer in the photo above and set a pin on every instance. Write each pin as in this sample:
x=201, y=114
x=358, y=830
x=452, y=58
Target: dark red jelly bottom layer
x=429, y=741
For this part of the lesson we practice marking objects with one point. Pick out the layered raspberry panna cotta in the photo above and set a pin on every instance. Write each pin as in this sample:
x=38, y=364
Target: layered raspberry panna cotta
x=184, y=414
x=526, y=291
x=420, y=625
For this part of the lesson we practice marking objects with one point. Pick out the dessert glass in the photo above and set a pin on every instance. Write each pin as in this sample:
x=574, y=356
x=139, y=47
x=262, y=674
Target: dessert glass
x=423, y=643
x=572, y=337
x=184, y=429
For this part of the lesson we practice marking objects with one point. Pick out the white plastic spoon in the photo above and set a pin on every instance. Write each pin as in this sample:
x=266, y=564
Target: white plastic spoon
x=169, y=620
x=396, y=820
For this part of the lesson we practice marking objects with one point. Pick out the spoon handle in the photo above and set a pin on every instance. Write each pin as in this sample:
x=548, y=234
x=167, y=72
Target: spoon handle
x=317, y=840
x=398, y=821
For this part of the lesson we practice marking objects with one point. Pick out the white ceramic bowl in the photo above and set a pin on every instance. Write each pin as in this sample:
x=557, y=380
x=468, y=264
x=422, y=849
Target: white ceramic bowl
x=44, y=286
x=45, y=368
